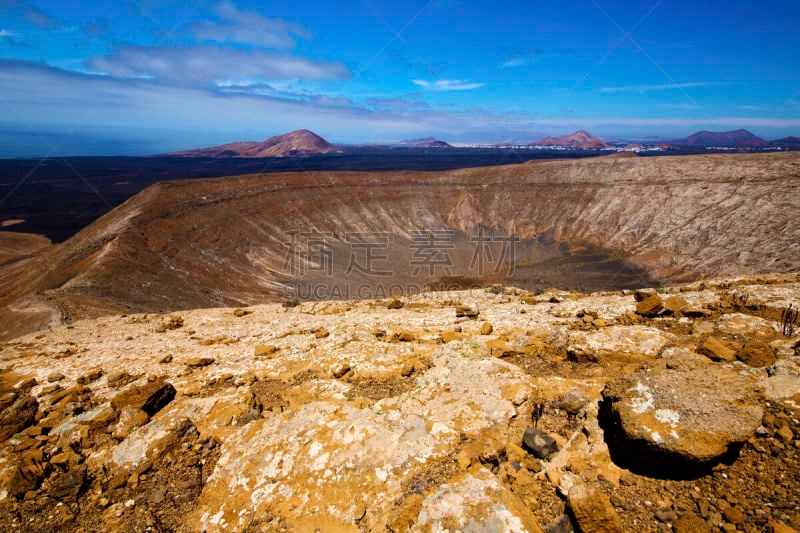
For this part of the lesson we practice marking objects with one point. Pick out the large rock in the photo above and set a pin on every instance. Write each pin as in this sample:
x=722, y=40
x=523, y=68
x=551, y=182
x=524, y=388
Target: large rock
x=150, y=398
x=691, y=415
x=717, y=350
x=144, y=445
x=636, y=341
x=475, y=502
x=757, y=354
x=17, y=416
x=338, y=466
x=650, y=306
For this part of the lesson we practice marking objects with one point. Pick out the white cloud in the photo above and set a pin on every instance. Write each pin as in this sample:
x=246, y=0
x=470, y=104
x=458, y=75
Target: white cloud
x=249, y=27
x=206, y=64
x=55, y=100
x=513, y=63
x=447, y=85
x=661, y=87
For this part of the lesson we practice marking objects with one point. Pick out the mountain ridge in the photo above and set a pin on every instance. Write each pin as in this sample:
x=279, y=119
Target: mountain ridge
x=301, y=143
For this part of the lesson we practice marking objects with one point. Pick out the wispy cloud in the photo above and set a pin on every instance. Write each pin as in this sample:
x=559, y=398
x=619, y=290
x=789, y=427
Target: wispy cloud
x=206, y=65
x=657, y=87
x=56, y=100
x=249, y=27
x=514, y=62
x=395, y=104
x=17, y=8
x=520, y=60
x=9, y=38
x=447, y=85
x=747, y=107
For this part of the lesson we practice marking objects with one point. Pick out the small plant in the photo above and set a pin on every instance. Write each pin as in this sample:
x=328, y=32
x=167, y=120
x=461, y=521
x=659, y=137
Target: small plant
x=537, y=413
x=789, y=319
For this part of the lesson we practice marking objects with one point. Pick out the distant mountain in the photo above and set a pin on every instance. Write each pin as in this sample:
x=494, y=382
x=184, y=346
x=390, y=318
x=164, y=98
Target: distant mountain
x=295, y=143
x=579, y=139
x=425, y=142
x=741, y=138
x=787, y=142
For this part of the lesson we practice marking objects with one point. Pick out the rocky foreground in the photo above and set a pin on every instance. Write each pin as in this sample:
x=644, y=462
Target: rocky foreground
x=491, y=410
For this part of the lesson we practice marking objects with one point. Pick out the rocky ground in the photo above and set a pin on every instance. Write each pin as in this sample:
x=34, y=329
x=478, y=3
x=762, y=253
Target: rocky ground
x=494, y=410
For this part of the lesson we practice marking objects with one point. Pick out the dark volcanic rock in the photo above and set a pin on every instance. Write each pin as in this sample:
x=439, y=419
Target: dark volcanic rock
x=540, y=444
x=68, y=485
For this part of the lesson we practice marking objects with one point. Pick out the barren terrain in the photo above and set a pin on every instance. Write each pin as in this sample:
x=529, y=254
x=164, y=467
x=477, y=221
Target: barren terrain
x=590, y=224
x=494, y=409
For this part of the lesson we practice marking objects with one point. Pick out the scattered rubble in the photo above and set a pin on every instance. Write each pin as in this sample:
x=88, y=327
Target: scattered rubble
x=580, y=414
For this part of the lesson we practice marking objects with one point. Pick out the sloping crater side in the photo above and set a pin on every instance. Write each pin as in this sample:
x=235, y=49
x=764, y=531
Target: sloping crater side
x=593, y=224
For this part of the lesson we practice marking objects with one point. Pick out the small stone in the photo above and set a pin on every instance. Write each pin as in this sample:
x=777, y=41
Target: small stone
x=405, y=336
x=29, y=473
x=65, y=458
x=89, y=377
x=166, y=359
x=734, y=515
x=566, y=482
x=573, y=401
x=448, y=336
x=265, y=350
x=690, y=523
x=68, y=486
x=674, y=304
x=665, y=516
x=130, y=418
x=395, y=304
x=199, y=362
x=785, y=433
x=716, y=350
x=650, y=306
x=238, y=312
x=463, y=310
x=130, y=503
x=321, y=333
x=592, y=509
x=776, y=526
x=540, y=444
x=643, y=294
x=487, y=329
x=696, y=312
x=55, y=376
x=340, y=370
x=26, y=384
x=757, y=354
x=118, y=378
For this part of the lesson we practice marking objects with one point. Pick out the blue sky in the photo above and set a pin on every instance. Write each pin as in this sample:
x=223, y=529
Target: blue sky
x=149, y=76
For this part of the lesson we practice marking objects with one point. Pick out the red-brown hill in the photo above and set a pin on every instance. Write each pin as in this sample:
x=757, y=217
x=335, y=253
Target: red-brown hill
x=579, y=139
x=295, y=143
